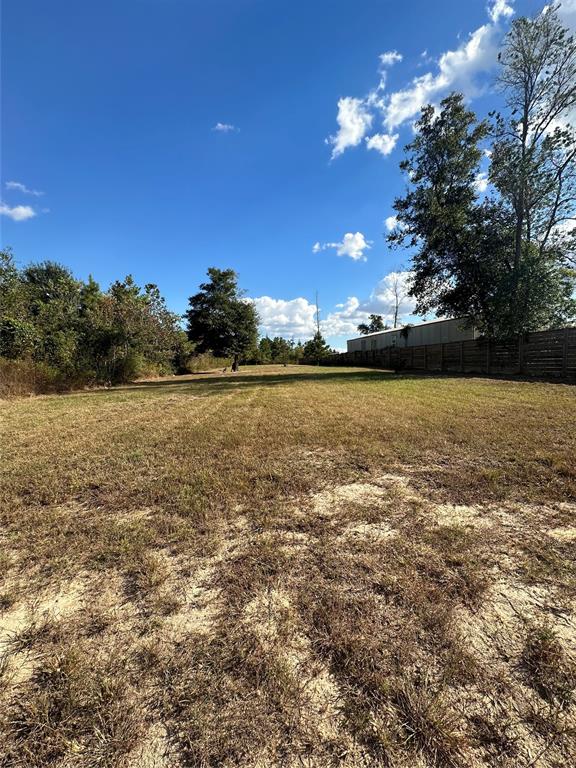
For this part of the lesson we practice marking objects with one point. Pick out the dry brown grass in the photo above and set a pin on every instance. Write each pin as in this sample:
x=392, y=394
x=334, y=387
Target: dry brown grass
x=290, y=566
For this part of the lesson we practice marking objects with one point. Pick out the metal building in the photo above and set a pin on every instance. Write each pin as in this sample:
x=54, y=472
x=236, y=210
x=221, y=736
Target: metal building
x=430, y=332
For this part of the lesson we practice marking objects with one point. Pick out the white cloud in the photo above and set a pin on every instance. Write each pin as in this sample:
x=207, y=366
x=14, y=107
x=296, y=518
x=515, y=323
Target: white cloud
x=296, y=318
x=17, y=185
x=457, y=70
x=481, y=182
x=567, y=13
x=465, y=69
x=391, y=222
x=382, y=299
x=18, y=212
x=224, y=128
x=389, y=58
x=500, y=8
x=354, y=121
x=382, y=142
x=345, y=318
x=352, y=245
x=293, y=318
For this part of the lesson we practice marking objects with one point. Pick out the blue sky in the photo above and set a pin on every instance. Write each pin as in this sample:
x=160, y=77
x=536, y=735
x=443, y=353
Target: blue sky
x=167, y=136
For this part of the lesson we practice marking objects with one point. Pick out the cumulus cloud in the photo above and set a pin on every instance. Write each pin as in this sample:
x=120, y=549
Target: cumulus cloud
x=391, y=222
x=18, y=186
x=352, y=245
x=382, y=142
x=17, y=212
x=456, y=70
x=382, y=300
x=354, y=121
x=500, y=8
x=346, y=317
x=292, y=318
x=296, y=318
x=465, y=68
x=225, y=128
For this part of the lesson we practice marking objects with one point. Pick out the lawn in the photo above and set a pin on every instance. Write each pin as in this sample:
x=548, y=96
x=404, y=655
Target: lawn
x=291, y=566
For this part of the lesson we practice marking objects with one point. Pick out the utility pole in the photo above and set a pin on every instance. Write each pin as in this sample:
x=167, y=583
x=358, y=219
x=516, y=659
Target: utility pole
x=317, y=328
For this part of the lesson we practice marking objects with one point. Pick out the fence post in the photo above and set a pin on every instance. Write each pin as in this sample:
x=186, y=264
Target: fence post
x=521, y=353
x=412, y=358
x=565, y=355
x=425, y=357
x=461, y=357
x=488, y=355
x=442, y=358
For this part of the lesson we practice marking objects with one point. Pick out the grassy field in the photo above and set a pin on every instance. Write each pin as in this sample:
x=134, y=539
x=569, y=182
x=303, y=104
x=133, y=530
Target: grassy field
x=289, y=567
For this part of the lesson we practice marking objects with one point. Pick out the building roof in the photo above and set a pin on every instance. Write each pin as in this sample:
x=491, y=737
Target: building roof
x=414, y=325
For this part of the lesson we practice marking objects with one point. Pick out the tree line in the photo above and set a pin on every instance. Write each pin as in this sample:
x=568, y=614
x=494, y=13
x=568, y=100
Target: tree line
x=71, y=332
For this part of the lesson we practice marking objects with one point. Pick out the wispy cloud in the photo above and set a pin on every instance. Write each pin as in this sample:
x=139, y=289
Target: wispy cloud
x=352, y=245
x=17, y=212
x=17, y=185
x=225, y=128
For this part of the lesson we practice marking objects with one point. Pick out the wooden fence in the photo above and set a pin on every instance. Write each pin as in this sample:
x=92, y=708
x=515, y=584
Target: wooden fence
x=545, y=354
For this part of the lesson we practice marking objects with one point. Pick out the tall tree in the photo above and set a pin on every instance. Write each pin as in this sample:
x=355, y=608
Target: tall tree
x=220, y=319
x=399, y=288
x=375, y=323
x=316, y=349
x=464, y=260
x=434, y=215
x=534, y=155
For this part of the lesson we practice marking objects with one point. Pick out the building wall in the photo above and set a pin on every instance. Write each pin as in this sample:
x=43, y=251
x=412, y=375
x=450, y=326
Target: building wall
x=436, y=332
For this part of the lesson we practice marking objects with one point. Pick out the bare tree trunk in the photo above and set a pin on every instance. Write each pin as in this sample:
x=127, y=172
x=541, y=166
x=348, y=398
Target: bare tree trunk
x=235, y=363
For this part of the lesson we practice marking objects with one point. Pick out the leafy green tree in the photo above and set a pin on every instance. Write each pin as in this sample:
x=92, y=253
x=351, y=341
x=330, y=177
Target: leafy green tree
x=265, y=350
x=315, y=350
x=434, y=215
x=281, y=350
x=464, y=262
x=375, y=324
x=53, y=297
x=48, y=316
x=220, y=319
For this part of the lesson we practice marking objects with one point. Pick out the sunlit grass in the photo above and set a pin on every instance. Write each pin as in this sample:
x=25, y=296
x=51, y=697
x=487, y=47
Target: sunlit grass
x=246, y=552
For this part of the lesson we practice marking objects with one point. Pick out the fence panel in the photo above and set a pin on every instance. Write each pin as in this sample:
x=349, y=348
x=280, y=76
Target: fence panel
x=546, y=354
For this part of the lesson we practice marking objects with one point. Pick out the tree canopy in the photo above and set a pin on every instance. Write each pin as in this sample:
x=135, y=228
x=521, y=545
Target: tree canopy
x=220, y=319
x=499, y=258
x=81, y=332
x=316, y=349
x=375, y=323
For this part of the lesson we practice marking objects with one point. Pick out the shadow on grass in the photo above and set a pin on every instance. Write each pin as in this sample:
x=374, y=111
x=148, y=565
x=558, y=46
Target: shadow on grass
x=219, y=383
x=208, y=383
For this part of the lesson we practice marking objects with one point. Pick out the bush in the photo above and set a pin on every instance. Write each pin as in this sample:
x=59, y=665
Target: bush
x=26, y=377
x=205, y=362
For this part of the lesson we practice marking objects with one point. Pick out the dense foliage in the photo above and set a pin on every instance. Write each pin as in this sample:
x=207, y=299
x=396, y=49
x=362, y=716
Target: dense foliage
x=77, y=333
x=316, y=349
x=278, y=350
x=375, y=323
x=221, y=319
